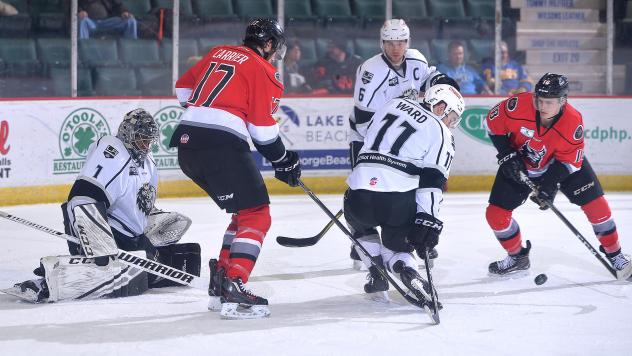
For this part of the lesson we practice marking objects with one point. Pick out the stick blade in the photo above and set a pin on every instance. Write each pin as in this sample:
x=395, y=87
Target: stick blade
x=292, y=242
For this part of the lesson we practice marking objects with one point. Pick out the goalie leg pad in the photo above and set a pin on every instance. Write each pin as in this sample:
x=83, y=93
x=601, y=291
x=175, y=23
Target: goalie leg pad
x=79, y=278
x=91, y=227
x=185, y=257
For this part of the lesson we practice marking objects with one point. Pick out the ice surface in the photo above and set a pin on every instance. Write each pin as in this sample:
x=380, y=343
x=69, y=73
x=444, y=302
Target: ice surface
x=317, y=301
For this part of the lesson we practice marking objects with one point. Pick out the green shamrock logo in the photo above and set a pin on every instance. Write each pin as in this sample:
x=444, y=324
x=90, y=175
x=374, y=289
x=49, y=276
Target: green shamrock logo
x=85, y=137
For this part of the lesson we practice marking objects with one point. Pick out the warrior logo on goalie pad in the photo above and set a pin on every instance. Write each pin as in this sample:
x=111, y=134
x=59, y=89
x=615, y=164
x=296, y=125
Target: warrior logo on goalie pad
x=145, y=198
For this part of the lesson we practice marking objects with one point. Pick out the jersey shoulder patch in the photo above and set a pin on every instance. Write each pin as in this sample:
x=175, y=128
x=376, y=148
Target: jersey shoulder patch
x=111, y=148
x=520, y=106
x=571, y=125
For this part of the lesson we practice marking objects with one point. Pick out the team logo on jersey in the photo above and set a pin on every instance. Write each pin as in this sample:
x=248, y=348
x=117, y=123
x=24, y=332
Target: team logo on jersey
x=80, y=129
x=393, y=82
x=527, y=132
x=367, y=77
x=373, y=181
x=534, y=151
x=167, y=118
x=512, y=103
x=277, y=76
x=411, y=93
x=110, y=152
x=133, y=170
x=145, y=198
x=579, y=133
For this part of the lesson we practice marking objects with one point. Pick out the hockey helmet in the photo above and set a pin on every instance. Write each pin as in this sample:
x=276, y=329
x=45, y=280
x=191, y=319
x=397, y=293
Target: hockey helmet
x=394, y=30
x=138, y=131
x=261, y=30
x=444, y=93
x=552, y=86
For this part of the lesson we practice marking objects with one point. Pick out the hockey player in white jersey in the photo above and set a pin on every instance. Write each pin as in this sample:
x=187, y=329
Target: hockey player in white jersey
x=398, y=71
x=397, y=183
x=111, y=207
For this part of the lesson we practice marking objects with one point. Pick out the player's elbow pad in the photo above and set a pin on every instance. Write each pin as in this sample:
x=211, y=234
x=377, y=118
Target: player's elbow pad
x=432, y=178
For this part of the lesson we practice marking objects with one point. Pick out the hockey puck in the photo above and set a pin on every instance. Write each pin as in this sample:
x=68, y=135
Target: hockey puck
x=540, y=279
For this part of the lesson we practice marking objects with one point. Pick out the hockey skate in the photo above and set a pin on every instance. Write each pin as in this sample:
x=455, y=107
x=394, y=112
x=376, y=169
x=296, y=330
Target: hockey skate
x=240, y=303
x=415, y=283
x=215, y=286
x=376, y=286
x=32, y=291
x=358, y=265
x=512, y=264
x=622, y=265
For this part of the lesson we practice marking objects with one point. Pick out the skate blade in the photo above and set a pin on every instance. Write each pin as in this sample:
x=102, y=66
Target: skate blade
x=359, y=266
x=625, y=274
x=29, y=295
x=511, y=275
x=214, y=304
x=235, y=311
x=380, y=297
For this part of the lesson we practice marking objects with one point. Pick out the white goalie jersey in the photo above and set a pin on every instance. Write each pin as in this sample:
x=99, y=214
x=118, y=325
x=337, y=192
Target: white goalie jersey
x=406, y=148
x=377, y=82
x=112, y=176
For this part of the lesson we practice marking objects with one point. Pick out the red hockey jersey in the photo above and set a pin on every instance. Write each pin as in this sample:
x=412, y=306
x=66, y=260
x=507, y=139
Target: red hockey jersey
x=538, y=146
x=233, y=89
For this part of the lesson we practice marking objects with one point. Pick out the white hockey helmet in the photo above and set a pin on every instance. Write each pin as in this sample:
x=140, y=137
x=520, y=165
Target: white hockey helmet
x=394, y=30
x=444, y=93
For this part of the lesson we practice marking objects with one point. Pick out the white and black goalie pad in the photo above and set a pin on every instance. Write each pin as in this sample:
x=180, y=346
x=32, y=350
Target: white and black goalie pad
x=166, y=228
x=91, y=227
x=79, y=278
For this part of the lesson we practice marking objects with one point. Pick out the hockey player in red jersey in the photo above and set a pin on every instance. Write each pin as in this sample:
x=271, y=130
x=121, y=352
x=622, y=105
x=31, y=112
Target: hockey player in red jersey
x=230, y=96
x=541, y=135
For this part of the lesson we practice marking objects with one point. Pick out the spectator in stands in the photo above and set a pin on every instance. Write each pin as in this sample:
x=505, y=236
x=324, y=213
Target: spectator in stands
x=335, y=73
x=465, y=75
x=105, y=15
x=513, y=76
x=7, y=9
x=293, y=77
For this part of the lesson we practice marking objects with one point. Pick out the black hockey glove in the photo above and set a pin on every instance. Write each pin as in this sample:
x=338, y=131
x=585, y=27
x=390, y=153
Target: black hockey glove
x=425, y=234
x=288, y=170
x=548, y=184
x=511, y=165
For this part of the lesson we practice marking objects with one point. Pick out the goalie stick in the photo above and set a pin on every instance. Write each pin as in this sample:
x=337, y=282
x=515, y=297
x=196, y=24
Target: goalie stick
x=149, y=266
x=412, y=300
x=308, y=241
x=581, y=238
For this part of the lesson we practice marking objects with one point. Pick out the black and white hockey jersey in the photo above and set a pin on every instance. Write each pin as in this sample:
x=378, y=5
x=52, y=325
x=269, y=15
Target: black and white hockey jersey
x=377, y=82
x=406, y=148
x=112, y=176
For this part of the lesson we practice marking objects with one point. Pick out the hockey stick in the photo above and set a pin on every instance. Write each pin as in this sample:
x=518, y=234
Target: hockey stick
x=581, y=238
x=433, y=294
x=414, y=301
x=149, y=266
x=308, y=241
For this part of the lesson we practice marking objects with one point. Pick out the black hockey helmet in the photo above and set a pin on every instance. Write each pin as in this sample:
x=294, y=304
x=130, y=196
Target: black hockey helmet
x=262, y=30
x=552, y=86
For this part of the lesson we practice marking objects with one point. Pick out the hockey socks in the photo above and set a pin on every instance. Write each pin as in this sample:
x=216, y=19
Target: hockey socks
x=599, y=214
x=505, y=228
x=243, y=241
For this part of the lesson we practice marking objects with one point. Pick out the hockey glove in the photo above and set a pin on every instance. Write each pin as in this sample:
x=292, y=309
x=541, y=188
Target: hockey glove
x=511, y=165
x=548, y=184
x=288, y=170
x=425, y=234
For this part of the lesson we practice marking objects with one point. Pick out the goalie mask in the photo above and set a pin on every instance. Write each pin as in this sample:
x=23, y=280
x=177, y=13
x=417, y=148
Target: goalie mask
x=138, y=131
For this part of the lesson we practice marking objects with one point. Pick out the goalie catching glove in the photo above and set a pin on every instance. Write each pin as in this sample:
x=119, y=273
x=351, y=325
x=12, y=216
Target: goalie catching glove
x=288, y=169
